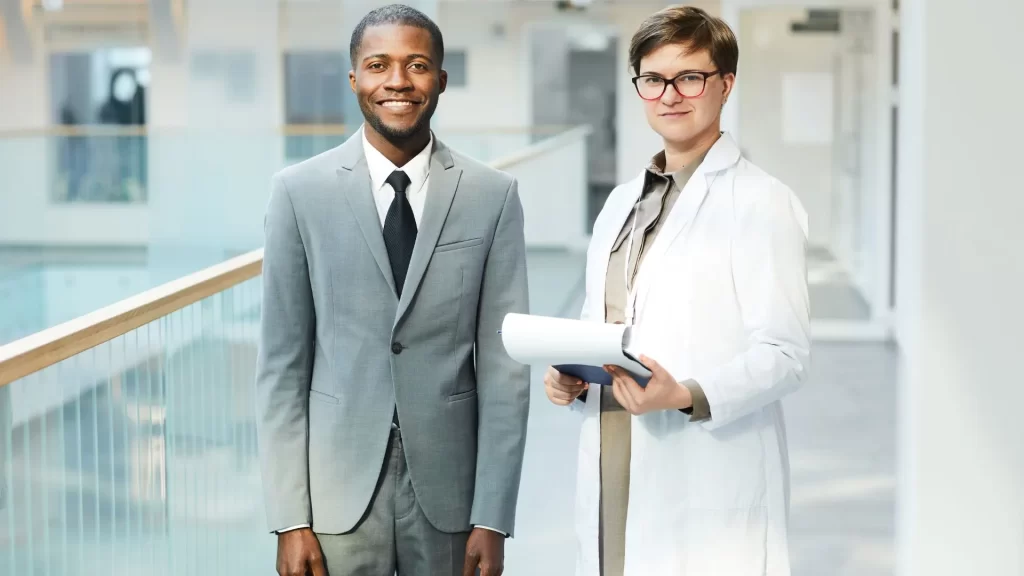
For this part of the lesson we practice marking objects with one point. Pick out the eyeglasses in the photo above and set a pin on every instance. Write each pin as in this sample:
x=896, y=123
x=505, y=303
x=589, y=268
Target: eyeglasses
x=689, y=84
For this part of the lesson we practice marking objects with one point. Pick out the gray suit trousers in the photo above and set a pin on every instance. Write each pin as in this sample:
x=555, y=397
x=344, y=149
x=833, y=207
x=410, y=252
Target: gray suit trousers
x=394, y=535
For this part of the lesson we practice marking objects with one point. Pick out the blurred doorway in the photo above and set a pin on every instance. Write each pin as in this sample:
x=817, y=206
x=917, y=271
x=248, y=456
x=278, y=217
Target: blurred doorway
x=106, y=86
x=574, y=83
x=814, y=97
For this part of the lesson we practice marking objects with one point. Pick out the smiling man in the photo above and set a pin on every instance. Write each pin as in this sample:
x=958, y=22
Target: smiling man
x=391, y=421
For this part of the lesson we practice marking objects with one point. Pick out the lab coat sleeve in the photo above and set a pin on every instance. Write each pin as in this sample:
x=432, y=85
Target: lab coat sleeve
x=770, y=275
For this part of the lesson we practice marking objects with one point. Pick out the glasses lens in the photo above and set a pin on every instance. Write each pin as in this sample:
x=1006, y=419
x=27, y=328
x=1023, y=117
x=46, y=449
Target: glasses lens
x=690, y=85
x=650, y=87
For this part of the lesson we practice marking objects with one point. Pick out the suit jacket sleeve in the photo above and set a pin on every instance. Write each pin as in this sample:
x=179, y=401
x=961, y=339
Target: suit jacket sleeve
x=284, y=366
x=503, y=394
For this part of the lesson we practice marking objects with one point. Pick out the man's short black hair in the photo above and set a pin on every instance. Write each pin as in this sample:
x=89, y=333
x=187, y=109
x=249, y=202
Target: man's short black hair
x=397, y=14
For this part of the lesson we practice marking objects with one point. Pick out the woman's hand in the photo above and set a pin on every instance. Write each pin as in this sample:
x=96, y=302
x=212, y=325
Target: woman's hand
x=562, y=389
x=662, y=392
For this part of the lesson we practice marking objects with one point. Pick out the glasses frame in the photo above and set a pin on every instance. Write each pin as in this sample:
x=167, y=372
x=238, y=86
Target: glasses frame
x=672, y=81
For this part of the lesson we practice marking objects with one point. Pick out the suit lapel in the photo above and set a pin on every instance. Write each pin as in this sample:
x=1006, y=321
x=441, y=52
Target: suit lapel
x=354, y=179
x=444, y=180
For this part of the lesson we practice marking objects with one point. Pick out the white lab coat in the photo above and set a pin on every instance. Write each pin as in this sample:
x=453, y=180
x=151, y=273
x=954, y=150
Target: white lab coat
x=722, y=299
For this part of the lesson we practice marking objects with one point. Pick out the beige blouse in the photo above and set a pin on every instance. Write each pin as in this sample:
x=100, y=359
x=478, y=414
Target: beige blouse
x=659, y=195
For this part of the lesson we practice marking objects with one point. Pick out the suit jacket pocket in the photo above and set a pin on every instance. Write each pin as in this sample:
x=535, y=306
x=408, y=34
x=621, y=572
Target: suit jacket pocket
x=462, y=395
x=323, y=397
x=458, y=245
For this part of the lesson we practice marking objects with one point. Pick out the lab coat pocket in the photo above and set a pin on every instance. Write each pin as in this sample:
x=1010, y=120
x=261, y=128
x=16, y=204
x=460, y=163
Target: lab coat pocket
x=701, y=542
x=723, y=542
x=727, y=468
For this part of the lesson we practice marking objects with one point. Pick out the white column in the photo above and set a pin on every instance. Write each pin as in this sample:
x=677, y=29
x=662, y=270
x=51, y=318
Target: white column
x=15, y=36
x=24, y=105
x=961, y=289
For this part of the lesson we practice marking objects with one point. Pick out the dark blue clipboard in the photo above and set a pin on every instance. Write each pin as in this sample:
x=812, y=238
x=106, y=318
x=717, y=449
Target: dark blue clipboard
x=597, y=375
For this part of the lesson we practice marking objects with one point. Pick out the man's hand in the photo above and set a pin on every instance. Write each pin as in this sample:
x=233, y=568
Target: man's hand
x=562, y=389
x=662, y=392
x=299, y=554
x=485, y=550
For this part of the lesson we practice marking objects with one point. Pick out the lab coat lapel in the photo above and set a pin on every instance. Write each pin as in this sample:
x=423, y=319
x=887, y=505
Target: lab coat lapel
x=605, y=239
x=721, y=157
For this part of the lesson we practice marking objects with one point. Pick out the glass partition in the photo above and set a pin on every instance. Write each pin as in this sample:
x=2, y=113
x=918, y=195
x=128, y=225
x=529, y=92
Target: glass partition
x=105, y=169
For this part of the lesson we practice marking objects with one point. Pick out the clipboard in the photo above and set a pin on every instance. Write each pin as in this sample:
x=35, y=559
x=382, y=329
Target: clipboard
x=573, y=347
x=596, y=374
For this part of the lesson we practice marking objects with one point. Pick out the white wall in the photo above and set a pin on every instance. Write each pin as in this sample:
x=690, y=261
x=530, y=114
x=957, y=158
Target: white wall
x=24, y=99
x=771, y=52
x=497, y=91
x=961, y=290
x=312, y=25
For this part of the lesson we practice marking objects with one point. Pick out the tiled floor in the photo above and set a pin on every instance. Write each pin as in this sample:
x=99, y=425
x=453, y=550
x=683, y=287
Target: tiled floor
x=841, y=429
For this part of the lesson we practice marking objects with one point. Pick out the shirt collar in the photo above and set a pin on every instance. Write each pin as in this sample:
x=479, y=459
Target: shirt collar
x=380, y=167
x=656, y=167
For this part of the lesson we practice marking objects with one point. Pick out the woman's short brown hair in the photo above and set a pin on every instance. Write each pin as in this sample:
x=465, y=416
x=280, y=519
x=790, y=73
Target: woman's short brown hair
x=690, y=26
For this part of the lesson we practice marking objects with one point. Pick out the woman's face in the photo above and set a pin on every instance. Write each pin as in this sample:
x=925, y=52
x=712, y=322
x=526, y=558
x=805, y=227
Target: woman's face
x=124, y=88
x=686, y=117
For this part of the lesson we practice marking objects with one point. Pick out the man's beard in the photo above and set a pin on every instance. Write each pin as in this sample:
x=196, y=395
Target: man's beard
x=395, y=135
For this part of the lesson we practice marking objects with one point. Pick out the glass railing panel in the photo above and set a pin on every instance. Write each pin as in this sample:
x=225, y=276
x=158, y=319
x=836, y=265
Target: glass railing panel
x=108, y=169
x=139, y=453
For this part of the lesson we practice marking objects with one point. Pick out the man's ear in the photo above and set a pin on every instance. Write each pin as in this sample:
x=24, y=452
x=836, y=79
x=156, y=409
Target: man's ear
x=443, y=81
x=352, y=80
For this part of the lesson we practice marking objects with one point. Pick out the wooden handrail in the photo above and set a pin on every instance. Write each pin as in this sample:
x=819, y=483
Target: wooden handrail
x=33, y=353
x=48, y=347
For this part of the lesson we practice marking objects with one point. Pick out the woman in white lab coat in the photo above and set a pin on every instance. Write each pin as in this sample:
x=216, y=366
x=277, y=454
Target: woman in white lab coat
x=704, y=254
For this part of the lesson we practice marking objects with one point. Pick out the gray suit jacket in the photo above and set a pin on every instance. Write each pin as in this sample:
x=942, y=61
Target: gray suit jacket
x=339, y=350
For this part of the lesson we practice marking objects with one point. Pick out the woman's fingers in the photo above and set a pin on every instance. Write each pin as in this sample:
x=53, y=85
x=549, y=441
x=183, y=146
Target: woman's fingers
x=562, y=389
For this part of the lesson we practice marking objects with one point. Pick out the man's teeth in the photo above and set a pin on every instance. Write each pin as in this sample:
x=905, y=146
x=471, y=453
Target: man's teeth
x=397, y=104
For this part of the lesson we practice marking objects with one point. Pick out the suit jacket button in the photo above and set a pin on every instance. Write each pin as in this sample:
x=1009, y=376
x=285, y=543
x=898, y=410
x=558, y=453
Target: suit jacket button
x=397, y=348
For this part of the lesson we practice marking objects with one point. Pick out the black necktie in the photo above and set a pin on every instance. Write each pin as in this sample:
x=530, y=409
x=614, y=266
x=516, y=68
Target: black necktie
x=399, y=229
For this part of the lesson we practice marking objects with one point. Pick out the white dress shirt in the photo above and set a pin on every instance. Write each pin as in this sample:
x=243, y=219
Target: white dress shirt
x=418, y=171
